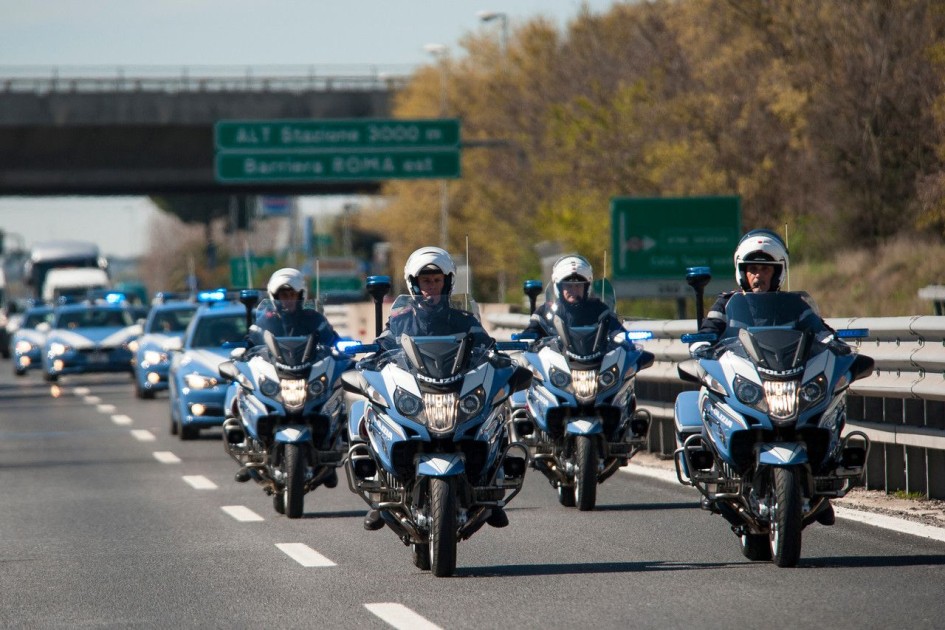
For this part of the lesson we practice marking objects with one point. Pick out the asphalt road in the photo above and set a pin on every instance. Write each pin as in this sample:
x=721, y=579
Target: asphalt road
x=106, y=520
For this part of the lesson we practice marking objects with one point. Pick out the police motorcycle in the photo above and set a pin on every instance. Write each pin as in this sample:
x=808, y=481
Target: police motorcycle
x=429, y=445
x=286, y=413
x=579, y=417
x=761, y=439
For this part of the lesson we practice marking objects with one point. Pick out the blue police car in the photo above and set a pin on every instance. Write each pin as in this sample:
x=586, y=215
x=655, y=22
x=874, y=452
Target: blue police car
x=195, y=387
x=27, y=341
x=91, y=336
x=166, y=321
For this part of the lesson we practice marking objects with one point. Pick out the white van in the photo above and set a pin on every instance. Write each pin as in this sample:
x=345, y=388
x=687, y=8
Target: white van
x=72, y=283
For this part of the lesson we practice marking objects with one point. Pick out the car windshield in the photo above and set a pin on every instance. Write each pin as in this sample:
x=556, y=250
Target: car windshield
x=171, y=320
x=35, y=318
x=212, y=331
x=94, y=318
x=782, y=309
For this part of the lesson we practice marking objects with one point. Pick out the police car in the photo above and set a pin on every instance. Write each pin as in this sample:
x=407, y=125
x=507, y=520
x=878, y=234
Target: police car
x=166, y=321
x=27, y=341
x=196, y=390
x=91, y=336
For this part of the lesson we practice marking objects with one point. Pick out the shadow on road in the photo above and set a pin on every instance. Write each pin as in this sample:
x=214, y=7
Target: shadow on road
x=643, y=507
x=862, y=562
x=534, y=570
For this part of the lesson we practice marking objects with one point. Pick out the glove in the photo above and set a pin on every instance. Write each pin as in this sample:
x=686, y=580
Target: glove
x=700, y=349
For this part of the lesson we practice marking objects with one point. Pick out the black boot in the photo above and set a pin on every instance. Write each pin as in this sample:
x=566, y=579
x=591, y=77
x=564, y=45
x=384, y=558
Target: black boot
x=243, y=475
x=498, y=518
x=373, y=521
x=332, y=479
x=826, y=516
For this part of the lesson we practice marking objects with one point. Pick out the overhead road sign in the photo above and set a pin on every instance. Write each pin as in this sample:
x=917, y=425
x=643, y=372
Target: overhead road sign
x=656, y=239
x=336, y=150
x=333, y=134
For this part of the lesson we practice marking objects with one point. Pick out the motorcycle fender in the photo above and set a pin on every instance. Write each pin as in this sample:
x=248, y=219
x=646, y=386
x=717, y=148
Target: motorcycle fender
x=355, y=414
x=781, y=454
x=584, y=427
x=440, y=465
x=687, y=416
x=293, y=435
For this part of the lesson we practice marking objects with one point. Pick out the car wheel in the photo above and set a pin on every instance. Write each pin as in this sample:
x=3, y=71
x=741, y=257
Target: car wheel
x=173, y=426
x=188, y=433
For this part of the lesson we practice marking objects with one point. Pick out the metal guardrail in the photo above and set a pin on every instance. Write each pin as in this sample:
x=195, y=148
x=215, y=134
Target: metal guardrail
x=169, y=79
x=901, y=406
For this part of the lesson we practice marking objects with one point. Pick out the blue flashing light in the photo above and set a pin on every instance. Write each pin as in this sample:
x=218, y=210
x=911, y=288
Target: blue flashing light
x=853, y=333
x=533, y=284
x=698, y=271
x=115, y=298
x=342, y=345
x=695, y=337
x=212, y=296
x=530, y=336
x=639, y=335
x=378, y=280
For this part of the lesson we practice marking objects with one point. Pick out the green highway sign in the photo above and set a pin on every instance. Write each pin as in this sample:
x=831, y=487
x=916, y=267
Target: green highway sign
x=240, y=276
x=656, y=239
x=330, y=134
x=272, y=166
x=339, y=284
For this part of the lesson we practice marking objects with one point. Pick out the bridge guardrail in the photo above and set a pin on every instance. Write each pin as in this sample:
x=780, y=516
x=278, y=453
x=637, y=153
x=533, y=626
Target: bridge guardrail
x=901, y=406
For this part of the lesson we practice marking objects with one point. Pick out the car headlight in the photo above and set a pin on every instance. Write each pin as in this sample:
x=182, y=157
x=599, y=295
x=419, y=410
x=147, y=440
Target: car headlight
x=23, y=346
x=317, y=387
x=559, y=378
x=406, y=403
x=269, y=388
x=56, y=348
x=154, y=357
x=748, y=392
x=198, y=381
x=133, y=346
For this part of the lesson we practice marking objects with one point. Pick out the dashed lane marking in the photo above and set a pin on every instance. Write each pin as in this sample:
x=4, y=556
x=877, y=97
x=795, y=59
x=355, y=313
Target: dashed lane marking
x=92, y=400
x=401, y=617
x=142, y=435
x=199, y=482
x=304, y=555
x=81, y=391
x=105, y=408
x=241, y=513
x=121, y=419
x=166, y=457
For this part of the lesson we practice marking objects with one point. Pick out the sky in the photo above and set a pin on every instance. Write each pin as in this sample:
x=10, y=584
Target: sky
x=357, y=35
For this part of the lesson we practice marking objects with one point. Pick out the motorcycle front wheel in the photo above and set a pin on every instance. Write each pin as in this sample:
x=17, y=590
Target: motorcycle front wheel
x=294, y=461
x=786, y=517
x=585, y=478
x=442, y=527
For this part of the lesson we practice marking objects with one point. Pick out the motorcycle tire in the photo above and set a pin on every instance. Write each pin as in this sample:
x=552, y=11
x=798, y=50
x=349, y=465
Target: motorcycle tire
x=786, y=519
x=421, y=556
x=566, y=496
x=442, y=527
x=585, y=478
x=294, y=462
x=756, y=547
x=278, y=502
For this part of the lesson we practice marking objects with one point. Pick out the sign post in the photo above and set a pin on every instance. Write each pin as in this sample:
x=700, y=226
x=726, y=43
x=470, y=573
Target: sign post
x=656, y=239
x=336, y=150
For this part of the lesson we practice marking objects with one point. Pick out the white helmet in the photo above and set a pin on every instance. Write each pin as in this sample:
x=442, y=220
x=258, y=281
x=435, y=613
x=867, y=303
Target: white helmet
x=431, y=259
x=761, y=247
x=286, y=277
x=572, y=267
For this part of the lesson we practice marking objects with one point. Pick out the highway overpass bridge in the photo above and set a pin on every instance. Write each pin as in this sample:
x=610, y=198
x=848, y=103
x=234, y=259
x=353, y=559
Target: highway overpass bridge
x=150, y=130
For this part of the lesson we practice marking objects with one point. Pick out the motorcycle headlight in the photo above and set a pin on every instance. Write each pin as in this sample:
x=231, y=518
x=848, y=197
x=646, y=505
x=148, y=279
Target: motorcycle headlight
x=440, y=411
x=814, y=390
x=406, y=403
x=317, y=387
x=198, y=381
x=268, y=387
x=781, y=397
x=23, y=346
x=559, y=378
x=471, y=403
x=154, y=357
x=56, y=348
x=748, y=392
x=607, y=378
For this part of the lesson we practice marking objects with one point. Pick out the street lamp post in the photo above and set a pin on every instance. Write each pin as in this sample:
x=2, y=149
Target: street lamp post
x=441, y=52
x=488, y=16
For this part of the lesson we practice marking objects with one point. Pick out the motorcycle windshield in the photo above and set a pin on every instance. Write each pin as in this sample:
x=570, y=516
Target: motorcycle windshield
x=584, y=343
x=782, y=309
x=405, y=304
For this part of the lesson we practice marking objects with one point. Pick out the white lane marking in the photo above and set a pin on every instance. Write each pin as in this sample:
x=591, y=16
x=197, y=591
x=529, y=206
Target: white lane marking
x=890, y=522
x=241, y=513
x=121, y=419
x=105, y=408
x=142, y=435
x=199, y=482
x=81, y=391
x=401, y=617
x=92, y=400
x=304, y=555
x=166, y=457
x=876, y=520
